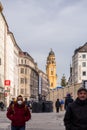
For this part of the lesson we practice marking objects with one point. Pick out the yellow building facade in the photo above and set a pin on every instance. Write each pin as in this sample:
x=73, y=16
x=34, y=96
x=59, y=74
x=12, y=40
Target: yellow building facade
x=51, y=70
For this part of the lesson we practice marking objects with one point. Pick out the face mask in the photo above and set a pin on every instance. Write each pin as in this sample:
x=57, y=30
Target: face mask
x=19, y=102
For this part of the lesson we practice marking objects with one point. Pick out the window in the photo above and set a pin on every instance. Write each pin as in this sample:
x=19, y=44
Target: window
x=22, y=70
x=84, y=73
x=51, y=84
x=25, y=80
x=22, y=91
x=51, y=72
x=25, y=61
x=83, y=64
x=83, y=56
x=22, y=80
x=52, y=62
x=25, y=70
x=26, y=91
x=21, y=61
x=0, y=61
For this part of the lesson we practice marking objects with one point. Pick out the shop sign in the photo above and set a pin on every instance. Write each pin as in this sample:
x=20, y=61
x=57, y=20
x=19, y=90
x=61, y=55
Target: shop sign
x=7, y=82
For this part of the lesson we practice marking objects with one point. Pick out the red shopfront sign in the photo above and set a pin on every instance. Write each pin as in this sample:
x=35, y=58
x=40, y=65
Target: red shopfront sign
x=7, y=82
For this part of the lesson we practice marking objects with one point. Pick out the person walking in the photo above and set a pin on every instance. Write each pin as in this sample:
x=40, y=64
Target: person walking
x=61, y=104
x=57, y=105
x=68, y=100
x=76, y=114
x=18, y=113
x=27, y=103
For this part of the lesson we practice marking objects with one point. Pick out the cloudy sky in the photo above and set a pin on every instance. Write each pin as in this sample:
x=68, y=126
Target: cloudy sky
x=39, y=25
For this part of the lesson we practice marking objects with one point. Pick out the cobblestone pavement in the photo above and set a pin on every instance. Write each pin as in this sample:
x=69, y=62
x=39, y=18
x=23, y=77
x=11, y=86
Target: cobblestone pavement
x=39, y=121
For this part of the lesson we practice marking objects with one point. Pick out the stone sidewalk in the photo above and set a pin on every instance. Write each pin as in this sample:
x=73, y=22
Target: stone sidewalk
x=46, y=121
x=39, y=121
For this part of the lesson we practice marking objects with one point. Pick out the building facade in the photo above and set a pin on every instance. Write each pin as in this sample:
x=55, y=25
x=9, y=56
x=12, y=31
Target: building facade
x=15, y=89
x=8, y=58
x=79, y=65
x=2, y=56
x=34, y=84
x=43, y=86
x=28, y=76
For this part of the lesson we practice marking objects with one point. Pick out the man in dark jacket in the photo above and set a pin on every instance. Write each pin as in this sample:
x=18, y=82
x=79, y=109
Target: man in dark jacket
x=68, y=100
x=18, y=113
x=57, y=105
x=76, y=113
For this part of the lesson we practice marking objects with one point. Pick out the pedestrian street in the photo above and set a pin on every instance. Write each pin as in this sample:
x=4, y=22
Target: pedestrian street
x=39, y=121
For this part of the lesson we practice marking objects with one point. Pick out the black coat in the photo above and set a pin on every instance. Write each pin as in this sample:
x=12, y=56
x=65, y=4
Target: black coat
x=67, y=101
x=76, y=115
x=57, y=104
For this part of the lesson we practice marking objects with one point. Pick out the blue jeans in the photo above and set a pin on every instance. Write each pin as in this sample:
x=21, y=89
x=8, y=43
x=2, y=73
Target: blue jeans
x=17, y=127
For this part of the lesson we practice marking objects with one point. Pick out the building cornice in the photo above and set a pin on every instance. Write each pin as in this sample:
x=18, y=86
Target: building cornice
x=28, y=66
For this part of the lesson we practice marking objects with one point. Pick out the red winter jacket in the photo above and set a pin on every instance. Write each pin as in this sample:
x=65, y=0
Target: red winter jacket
x=18, y=114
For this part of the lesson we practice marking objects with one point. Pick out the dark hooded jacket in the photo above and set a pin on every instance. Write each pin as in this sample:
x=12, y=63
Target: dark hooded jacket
x=68, y=100
x=76, y=115
x=57, y=104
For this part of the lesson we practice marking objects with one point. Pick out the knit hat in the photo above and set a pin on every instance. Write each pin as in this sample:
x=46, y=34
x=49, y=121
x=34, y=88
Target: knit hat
x=68, y=95
x=82, y=89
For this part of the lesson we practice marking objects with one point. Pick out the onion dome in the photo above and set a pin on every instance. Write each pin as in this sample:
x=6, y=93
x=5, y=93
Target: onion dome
x=51, y=52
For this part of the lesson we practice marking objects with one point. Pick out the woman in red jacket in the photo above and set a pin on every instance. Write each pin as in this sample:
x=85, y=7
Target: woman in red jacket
x=18, y=113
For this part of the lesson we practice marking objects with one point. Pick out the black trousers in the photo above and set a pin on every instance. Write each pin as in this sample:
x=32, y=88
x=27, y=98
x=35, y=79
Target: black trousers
x=17, y=127
x=57, y=109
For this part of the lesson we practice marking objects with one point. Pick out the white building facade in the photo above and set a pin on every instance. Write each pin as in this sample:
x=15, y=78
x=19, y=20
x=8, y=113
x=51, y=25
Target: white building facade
x=12, y=61
x=16, y=70
x=9, y=66
x=2, y=56
x=79, y=65
x=9, y=54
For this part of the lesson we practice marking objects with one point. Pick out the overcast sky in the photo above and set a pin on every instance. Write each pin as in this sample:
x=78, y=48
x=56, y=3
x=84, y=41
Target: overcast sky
x=39, y=25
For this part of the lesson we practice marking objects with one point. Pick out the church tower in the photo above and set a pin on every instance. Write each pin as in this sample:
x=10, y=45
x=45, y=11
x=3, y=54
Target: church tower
x=51, y=70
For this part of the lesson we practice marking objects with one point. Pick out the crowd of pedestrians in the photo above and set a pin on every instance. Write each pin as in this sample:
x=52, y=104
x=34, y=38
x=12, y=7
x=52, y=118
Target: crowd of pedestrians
x=75, y=117
x=61, y=104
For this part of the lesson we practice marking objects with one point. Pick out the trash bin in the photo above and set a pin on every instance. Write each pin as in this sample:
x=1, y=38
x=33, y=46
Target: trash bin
x=36, y=107
x=48, y=106
x=42, y=106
